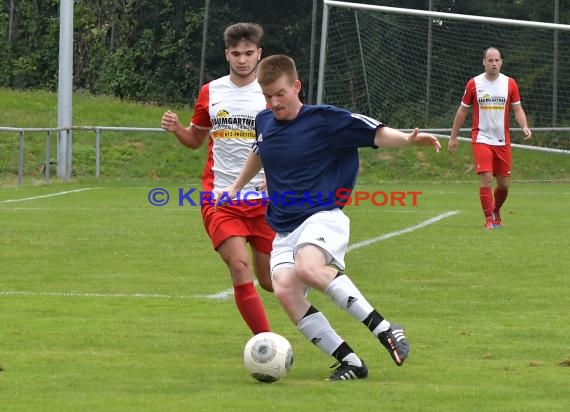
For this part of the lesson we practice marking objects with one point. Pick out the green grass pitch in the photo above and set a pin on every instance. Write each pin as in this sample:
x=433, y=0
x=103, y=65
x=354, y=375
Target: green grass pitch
x=110, y=304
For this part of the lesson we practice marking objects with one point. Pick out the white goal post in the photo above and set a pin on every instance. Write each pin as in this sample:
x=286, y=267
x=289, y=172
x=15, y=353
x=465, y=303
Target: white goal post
x=409, y=67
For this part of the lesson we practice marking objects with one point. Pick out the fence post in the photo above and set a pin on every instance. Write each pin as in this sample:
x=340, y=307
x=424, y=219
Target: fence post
x=68, y=154
x=48, y=155
x=21, y=159
x=97, y=151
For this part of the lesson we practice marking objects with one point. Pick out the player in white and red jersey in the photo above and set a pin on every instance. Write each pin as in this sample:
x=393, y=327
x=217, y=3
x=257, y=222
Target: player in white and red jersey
x=225, y=112
x=491, y=95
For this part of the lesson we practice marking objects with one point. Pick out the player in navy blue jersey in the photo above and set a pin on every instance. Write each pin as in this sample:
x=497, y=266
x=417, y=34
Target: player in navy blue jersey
x=308, y=153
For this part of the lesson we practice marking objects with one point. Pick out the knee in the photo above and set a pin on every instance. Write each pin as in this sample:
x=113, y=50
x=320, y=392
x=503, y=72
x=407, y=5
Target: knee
x=503, y=186
x=238, y=266
x=283, y=291
x=305, y=272
x=281, y=294
x=240, y=271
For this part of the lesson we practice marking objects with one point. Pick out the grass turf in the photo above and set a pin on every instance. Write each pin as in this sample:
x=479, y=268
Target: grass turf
x=105, y=304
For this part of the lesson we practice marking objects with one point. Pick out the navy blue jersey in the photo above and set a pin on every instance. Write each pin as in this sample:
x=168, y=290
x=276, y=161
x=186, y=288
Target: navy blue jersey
x=309, y=161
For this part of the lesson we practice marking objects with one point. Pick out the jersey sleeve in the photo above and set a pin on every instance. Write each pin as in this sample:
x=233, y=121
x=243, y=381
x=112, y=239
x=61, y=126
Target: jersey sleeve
x=259, y=122
x=470, y=94
x=201, y=116
x=514, y=94
x=351, y=130
x=255, y=147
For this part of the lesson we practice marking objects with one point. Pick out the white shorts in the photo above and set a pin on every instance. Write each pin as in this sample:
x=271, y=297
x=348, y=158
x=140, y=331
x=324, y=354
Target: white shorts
x=329, y=230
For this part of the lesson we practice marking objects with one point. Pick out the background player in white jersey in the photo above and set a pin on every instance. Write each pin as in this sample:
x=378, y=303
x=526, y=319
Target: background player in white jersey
x=309, y=152
x=491, y=94
x=225, y=112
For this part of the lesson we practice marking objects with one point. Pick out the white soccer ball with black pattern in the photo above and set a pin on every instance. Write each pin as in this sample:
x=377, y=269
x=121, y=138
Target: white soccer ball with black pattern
x=268, y=356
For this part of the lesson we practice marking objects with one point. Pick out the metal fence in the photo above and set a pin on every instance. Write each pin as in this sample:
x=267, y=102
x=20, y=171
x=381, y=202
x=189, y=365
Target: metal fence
x=49, y=131
x=216, y=14
x=98, y=131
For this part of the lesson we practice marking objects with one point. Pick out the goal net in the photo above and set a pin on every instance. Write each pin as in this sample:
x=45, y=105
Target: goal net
x=409, y=67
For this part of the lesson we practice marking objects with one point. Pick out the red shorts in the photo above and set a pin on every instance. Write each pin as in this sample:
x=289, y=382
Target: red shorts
x=238, y=220
x=489, y=158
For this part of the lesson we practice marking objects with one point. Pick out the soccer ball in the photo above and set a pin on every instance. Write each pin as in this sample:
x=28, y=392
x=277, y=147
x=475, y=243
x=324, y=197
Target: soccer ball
x=268, y=356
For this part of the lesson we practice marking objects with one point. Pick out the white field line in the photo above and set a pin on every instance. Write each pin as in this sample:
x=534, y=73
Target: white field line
x=49, y=195
x=229, y=292
x=225, y=294
x=423, y=224
x=518, y=193
x=89, y=295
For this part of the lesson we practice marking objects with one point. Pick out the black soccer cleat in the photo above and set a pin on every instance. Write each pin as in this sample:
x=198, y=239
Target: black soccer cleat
x=395, y=343
x=345, y=371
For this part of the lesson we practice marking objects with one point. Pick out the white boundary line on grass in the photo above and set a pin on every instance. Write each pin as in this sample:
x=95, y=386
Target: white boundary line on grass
x=229, y=292
x=423, y=224
x=90, y=295
x=49, y=195
x=224, y=295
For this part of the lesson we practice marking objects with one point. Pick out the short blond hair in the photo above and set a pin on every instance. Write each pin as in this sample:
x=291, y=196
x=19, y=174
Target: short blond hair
x=273, y=67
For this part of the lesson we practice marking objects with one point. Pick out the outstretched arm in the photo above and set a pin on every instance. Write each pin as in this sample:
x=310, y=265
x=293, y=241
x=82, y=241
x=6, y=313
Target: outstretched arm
x=458, y=121
x=388, y=137
x=520, y=117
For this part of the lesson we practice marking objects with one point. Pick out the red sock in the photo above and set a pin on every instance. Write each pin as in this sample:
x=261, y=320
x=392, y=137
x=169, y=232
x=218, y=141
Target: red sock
x=500, y=197
x=486, y=196
x=251, y=307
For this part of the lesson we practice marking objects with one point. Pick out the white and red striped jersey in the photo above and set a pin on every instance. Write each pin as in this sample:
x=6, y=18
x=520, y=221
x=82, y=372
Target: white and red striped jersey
x=491, y=101
x=228, y=111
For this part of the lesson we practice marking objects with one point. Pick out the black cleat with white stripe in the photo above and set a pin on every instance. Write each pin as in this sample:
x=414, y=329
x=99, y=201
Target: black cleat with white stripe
x=395, y=343
x=346, y=371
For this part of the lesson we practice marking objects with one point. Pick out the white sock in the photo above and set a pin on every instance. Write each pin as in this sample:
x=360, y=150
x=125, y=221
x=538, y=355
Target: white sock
x=382, y=327
x=352, y=359
x=346, y=295
x=317, y=329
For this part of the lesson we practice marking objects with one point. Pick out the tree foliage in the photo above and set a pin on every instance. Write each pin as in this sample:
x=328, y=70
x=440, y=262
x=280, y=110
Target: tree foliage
x=150, y=50
x=143, y=50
